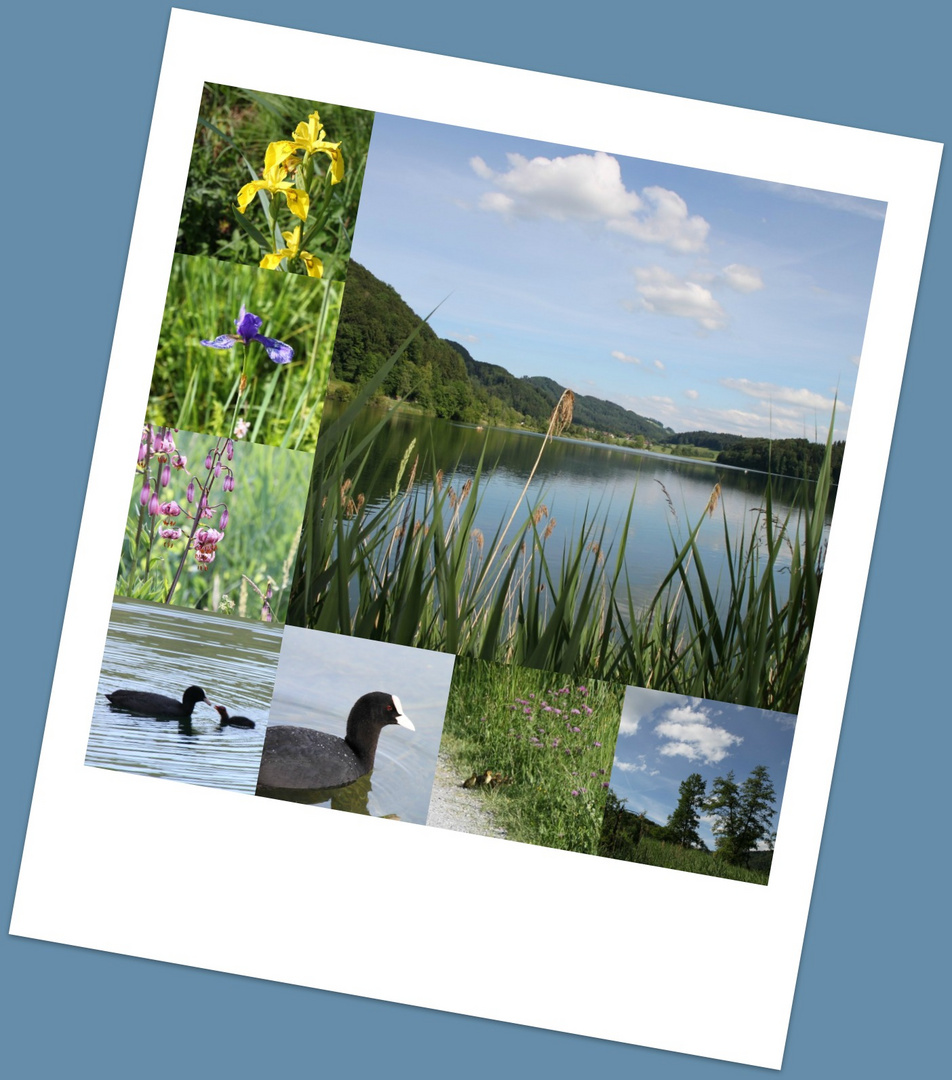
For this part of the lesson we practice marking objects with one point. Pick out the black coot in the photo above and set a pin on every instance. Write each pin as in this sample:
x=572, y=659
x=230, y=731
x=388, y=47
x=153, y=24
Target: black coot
x=299, y=758
x=232, y=721
x=158, y=705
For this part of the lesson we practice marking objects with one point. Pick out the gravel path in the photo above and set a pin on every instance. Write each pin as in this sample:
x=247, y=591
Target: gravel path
x=457, y=808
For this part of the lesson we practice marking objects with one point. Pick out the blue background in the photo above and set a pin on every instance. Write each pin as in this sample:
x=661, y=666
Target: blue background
x=79, y=84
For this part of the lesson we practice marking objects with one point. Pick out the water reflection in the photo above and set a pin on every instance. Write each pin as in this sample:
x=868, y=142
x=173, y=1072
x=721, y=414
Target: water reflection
x=353, y=798
x=581, y=483
x=320, y=677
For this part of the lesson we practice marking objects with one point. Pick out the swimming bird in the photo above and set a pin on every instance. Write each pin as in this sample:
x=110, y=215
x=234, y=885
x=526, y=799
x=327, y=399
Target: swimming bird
x=232, y=721
x=300, y=758
x=158, y=705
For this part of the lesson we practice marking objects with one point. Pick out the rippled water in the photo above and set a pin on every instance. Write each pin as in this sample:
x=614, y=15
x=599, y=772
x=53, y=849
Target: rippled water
x=165, y=649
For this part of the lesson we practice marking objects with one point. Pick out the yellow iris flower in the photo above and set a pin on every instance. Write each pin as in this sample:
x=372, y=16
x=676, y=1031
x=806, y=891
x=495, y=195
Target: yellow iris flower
x=309, y=137
x=274, y=180
x=313, y=265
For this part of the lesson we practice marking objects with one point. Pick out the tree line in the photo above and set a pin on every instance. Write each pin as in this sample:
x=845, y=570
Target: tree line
x=741, y=819
x=445, y=380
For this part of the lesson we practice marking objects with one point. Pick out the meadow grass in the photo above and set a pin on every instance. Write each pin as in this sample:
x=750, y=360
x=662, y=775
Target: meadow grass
x=260, y=541
x=197, y=388
x=653, y=852
x=550, y=742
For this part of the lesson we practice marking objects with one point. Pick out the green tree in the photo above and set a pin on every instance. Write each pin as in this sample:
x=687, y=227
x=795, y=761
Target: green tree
x=724, y=805
x=686, y=816
x=742, y=814
x=757, y=806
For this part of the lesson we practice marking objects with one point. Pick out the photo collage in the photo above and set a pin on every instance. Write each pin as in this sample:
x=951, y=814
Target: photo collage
x=485, y=484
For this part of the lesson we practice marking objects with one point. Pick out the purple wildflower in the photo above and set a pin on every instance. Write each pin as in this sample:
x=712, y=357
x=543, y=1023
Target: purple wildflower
x=248, y=324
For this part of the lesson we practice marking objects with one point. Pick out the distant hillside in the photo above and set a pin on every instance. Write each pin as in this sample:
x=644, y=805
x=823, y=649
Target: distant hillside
x=443, y=378
x=374, y=322
x=599, y=415
x=518, y=394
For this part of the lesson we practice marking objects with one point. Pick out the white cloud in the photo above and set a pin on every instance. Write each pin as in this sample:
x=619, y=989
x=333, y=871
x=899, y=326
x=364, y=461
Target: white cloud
x=666, y=294
x=631, y=766
x=691, y=395
x=743, y=279
x=589, y=188
x=624, y=358
x=667, y=223
x=617, y=354
x=689, y=732
x=800, y=397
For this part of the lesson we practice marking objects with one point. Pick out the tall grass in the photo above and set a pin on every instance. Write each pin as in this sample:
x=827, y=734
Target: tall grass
x=197, y=388
x=549, y=740
x=417, y=571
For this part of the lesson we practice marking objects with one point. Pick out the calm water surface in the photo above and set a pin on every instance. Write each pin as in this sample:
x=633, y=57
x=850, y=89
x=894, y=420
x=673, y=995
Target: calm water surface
x=320, y=676
x=165, y=649
x=582, y=481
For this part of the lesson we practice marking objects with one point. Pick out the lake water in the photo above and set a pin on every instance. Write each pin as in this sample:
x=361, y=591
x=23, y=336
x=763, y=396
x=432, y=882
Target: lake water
x=584, y=481
x=165, y=649
x=320, y=676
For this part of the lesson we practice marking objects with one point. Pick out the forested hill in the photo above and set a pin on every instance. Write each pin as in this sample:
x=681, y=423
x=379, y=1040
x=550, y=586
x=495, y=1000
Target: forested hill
x=593, y=412
x=444, y=379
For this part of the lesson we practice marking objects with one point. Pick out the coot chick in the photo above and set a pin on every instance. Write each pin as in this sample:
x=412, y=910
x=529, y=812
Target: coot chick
x=158, y=705
x=299, y=758
x=232, y=721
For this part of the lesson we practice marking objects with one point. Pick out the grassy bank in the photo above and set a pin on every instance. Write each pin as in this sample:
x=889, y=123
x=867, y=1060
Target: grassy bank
x=538, y=749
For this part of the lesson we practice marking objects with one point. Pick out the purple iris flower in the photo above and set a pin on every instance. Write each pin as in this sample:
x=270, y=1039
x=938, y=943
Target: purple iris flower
x=248, y=324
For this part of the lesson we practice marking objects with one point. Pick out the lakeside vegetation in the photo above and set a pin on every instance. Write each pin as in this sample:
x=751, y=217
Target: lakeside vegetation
x=442, y=379
x=416, y=571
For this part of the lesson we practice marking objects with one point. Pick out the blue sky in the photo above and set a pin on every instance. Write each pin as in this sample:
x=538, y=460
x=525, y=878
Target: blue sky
x=664, y=738
x=700, y=299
